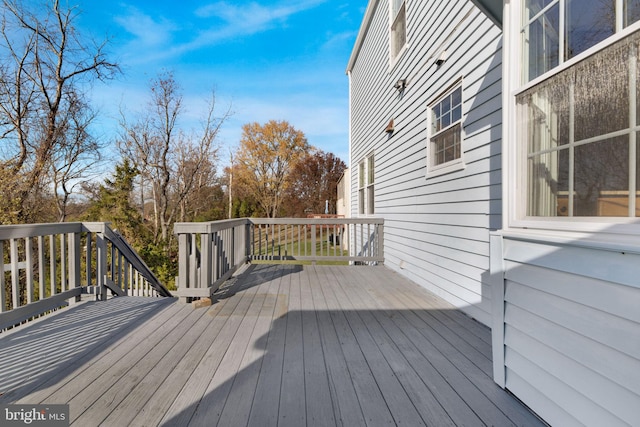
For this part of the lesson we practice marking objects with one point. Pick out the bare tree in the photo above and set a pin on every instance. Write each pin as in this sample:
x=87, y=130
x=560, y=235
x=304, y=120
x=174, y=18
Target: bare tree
x=76, y=155
x=173, y=162
x=45, y=61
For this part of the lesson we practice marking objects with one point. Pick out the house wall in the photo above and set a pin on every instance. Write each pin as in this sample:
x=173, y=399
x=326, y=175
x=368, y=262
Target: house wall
x=571, y=329
x=436, y=228
x=566, y=331
x=343, y=202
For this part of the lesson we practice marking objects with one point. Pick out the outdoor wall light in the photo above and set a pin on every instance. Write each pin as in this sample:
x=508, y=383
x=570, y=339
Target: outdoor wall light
x=441, y=58
x=400, y=84
x=390, y=127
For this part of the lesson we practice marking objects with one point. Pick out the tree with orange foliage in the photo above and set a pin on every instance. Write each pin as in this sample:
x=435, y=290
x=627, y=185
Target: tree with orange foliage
x=266, y=156
x=314, y=185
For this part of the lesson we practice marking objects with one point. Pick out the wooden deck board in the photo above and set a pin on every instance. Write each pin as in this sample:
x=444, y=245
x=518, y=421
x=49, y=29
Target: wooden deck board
x=284, y=346
x=266, y=402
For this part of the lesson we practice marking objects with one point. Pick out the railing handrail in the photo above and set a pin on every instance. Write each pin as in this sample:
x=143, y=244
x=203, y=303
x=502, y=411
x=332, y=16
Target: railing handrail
x=316, y=221
x=134, y=258
x=208, y=227
x=21, y=231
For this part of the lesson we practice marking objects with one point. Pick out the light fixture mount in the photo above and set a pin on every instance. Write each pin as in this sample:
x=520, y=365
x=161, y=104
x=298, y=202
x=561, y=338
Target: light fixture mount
x=401, y=84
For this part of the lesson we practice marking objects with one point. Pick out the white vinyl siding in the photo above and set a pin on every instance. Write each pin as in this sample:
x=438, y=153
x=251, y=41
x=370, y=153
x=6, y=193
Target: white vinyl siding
x=436, y=228
x=572, y=331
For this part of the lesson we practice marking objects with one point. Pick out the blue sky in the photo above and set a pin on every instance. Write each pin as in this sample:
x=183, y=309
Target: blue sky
x=271, y=59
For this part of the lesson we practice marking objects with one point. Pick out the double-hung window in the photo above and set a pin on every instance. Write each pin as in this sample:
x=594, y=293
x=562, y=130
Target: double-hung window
x=366, y=186
x=398, y=34
x=445, y=136
x=578, y=127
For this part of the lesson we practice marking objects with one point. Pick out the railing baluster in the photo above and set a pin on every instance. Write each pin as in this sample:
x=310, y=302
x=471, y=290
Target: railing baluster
x=63, y=264
x=89, y=258
x=15, y=285
x=193, y=262
x=3, y=296
x=28, y=252
x=52, y=265
x=206, y=272
x=41, y=276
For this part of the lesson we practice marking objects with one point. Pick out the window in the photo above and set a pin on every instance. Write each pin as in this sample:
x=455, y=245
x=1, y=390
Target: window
x=445, y=139
x=555, y=31
x=580, y=130
x=365, y=186
x=398, y=27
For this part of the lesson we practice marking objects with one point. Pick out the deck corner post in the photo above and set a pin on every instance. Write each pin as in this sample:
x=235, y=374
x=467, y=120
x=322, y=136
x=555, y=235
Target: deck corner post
x=381, y=242
x=101, y=268
x=247, y=239
x=184, y=246
x=496, y=280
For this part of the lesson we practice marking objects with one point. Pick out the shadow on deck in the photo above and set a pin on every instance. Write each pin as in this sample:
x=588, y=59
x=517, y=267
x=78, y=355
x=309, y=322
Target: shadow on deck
x=284, y=345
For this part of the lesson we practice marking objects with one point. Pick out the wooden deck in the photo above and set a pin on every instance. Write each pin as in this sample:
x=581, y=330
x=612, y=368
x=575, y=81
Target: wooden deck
x=285, y=345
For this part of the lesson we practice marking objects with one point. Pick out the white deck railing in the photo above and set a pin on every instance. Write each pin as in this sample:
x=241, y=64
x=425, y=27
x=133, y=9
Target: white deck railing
x=47, y=266
x=209, y=253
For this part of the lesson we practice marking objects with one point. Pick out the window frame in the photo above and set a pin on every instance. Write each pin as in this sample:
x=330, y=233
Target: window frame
x=396, y=52
x=366, y=186
x=620, y=25
x=515, y=191
x=456, y=164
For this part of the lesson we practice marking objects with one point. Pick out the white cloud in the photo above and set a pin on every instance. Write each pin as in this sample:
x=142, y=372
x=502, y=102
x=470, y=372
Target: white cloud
x=146, y=31
x=244, y=20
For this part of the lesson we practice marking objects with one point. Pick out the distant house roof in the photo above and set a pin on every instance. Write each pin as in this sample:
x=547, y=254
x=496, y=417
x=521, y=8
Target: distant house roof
x=491, y=8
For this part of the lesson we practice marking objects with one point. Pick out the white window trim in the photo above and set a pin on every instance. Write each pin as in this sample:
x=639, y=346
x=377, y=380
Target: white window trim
x=514, y=185
x=364, y=187
x=456, y=164
x=393, y=60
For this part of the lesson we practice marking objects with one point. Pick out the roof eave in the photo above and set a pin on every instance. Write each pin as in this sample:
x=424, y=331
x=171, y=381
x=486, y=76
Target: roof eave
x=364, y=27
x=491, y=8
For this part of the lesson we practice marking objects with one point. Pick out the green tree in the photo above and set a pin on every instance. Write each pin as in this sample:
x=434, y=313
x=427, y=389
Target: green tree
x=113, y=202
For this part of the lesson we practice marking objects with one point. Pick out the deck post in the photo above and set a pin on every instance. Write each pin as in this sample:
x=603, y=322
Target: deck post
x=184, y=244
x=101, y=267
x=2, y=291
x=74, y=263
x=380, y=241
x=496, y=279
